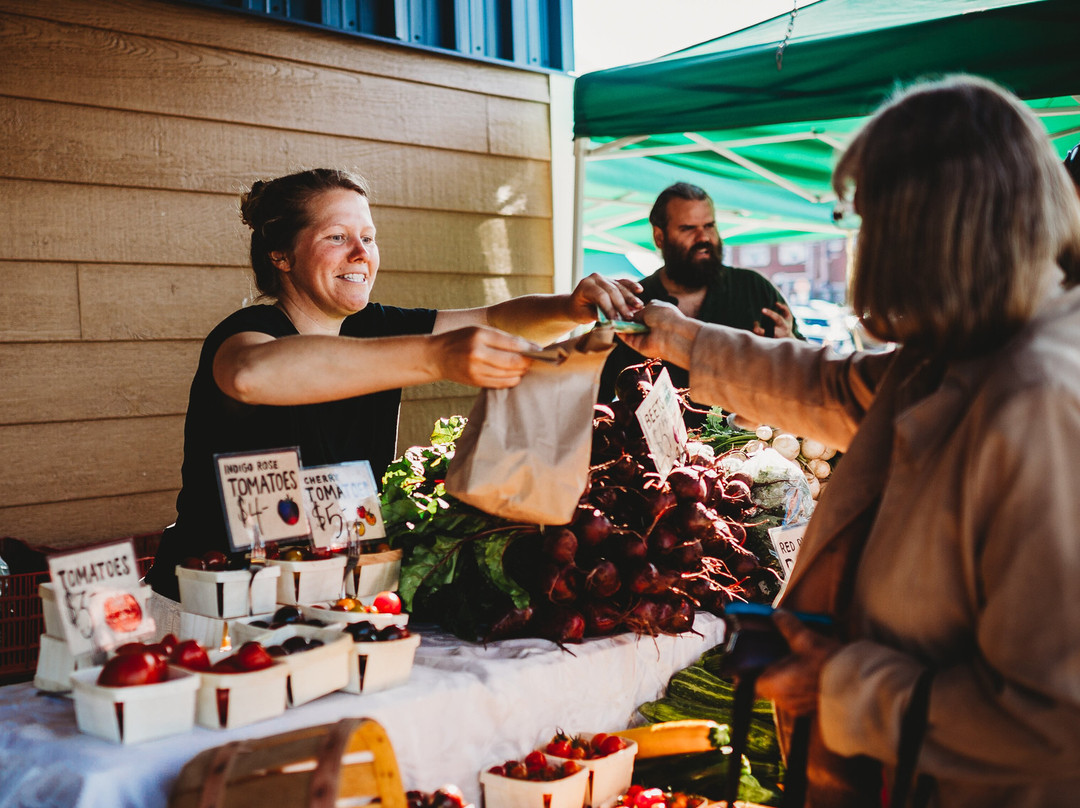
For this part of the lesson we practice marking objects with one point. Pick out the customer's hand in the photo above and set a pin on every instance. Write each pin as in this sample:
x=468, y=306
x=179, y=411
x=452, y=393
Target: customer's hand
x=671, y=333
x=794, y=683
x=616, y=299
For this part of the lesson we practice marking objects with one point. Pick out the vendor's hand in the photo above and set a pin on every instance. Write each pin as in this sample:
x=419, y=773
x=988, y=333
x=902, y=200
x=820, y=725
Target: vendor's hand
x=794, y=682
x=481, y=356
x=670, y=334
x=616, y=299
x=782, y=318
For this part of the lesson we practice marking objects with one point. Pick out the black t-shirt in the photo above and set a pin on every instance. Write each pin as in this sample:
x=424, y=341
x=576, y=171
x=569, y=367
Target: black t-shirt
x=361, y=428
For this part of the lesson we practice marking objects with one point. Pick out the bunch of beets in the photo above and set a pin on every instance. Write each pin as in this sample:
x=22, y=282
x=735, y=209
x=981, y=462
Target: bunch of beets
x=641, y=554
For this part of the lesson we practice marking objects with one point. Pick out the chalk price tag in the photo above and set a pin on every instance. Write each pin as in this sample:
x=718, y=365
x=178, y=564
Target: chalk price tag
x=337, y=495
x=786, y=542
x=661, y=420
x=101, y=603
x=262, y=490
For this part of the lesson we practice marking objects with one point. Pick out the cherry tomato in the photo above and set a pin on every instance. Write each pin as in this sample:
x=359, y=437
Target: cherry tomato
x=387, y=603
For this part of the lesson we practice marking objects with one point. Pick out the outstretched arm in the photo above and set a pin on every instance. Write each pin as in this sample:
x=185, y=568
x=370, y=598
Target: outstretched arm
x=543, y=318
x=305, y=369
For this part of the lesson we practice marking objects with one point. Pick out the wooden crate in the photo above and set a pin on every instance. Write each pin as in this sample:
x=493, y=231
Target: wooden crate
x=343, y=764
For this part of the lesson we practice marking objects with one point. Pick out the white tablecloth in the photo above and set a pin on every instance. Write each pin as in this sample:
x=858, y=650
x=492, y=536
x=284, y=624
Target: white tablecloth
x=464, y=708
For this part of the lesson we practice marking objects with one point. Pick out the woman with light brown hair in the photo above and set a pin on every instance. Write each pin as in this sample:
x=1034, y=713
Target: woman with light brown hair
x=945, y=547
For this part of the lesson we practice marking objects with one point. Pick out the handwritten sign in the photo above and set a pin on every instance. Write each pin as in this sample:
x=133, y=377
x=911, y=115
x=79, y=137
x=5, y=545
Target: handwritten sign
x=786, y=542
x=261, y=491
x=661, y=420
x=338, y=495
x=101, y=603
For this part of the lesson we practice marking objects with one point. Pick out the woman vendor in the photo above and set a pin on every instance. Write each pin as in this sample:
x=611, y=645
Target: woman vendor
x=945, y=547
x=320, y=366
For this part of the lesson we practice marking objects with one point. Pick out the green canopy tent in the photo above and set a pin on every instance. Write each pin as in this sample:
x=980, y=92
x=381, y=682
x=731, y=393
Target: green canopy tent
x=756, y=116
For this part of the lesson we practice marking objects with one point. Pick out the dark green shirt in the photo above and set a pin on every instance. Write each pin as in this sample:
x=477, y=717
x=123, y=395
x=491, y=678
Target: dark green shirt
x=734, y=297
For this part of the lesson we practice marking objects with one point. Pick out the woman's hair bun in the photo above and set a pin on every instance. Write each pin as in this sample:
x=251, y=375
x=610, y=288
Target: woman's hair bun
x=249, y=203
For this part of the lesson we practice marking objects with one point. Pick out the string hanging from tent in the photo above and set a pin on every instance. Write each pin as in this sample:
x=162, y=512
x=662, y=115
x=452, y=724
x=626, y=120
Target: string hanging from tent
x=787, y=36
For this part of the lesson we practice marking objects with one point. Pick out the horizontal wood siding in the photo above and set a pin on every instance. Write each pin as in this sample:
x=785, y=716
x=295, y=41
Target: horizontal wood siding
x=129, y=130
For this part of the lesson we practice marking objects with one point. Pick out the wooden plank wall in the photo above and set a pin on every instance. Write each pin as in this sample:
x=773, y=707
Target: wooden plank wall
x=129, y=128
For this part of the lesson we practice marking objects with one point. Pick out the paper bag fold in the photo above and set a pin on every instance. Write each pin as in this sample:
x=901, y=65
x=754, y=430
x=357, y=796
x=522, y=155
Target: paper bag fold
x=524, y=453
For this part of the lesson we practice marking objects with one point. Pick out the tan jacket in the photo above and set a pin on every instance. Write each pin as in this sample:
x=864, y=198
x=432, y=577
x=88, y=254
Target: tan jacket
x=972, y=558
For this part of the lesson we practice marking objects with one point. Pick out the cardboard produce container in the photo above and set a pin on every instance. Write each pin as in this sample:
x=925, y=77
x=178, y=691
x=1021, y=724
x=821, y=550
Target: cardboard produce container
x=609, y=776
x=56, y=664
x=228, y=700
x=375, y=573
x=137, y=713
x=226, y=594
x=309, y=581
x=499, y=791
x=317, y=672
x=321, y=611
x=380, y=665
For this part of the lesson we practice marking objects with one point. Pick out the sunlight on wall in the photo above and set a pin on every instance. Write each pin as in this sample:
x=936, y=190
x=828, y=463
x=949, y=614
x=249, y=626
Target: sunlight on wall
x=496, y=290
x=495, y=246
x=509, y=200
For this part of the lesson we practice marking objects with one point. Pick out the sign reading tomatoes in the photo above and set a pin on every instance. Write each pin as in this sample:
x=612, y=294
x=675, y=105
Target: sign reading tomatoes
x=101, y=603
x=339, y=497
x=260, y=495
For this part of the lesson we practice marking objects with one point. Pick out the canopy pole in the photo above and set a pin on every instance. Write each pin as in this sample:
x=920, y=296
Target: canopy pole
x=581, y=146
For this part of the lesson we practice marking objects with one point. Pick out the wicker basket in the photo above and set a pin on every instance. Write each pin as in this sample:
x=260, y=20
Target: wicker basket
x=318, y=767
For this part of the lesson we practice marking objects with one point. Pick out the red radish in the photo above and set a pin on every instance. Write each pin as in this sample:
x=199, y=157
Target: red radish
x=591, y=526
x=515, y=623
x=560, y=545
x=687, y=485
x=600, y=618
x=603, y=579
x=561, y=624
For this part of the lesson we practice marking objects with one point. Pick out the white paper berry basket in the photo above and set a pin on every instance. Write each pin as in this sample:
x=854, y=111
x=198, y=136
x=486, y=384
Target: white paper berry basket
x=137, y=713
x=309, y=581
x=229, y=700
x=242, y=631
x=375, y=573
x=500, y=791
x=323, y=612
x=56, y=663
x=609, y=776
x=381, y=664
x=313, y=672
x=225, y=594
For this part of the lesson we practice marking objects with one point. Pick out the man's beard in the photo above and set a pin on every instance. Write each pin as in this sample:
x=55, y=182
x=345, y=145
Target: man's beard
x=690, y=273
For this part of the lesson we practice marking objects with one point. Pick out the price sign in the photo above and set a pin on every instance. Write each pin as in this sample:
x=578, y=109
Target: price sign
x=786, y=542
x=261, y=490
x=661, y=420
x=101, y=603
x=338, y=495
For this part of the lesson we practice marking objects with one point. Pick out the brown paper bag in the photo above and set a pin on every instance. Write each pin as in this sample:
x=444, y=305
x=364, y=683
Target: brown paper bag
x=524, y=453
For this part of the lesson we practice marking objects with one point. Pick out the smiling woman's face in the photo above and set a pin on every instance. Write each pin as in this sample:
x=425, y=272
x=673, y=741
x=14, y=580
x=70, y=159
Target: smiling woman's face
x=334, y=261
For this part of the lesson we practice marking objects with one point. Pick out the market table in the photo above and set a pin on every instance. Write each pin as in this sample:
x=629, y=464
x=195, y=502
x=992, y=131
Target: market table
x=465, y=707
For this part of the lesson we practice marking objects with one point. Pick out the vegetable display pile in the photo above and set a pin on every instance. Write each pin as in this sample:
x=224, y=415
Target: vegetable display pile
x=815, y=459
x=697, y=695
x=641, y=554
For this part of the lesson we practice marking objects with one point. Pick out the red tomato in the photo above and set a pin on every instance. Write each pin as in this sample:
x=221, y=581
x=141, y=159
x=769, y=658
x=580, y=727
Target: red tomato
x=387, y=603
x=610, y=745
x=191, y=655
x=126, y=670
x=253, y=657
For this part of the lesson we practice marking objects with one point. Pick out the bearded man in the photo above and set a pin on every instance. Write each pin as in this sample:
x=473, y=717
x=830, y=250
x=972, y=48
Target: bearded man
x=694, y=279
